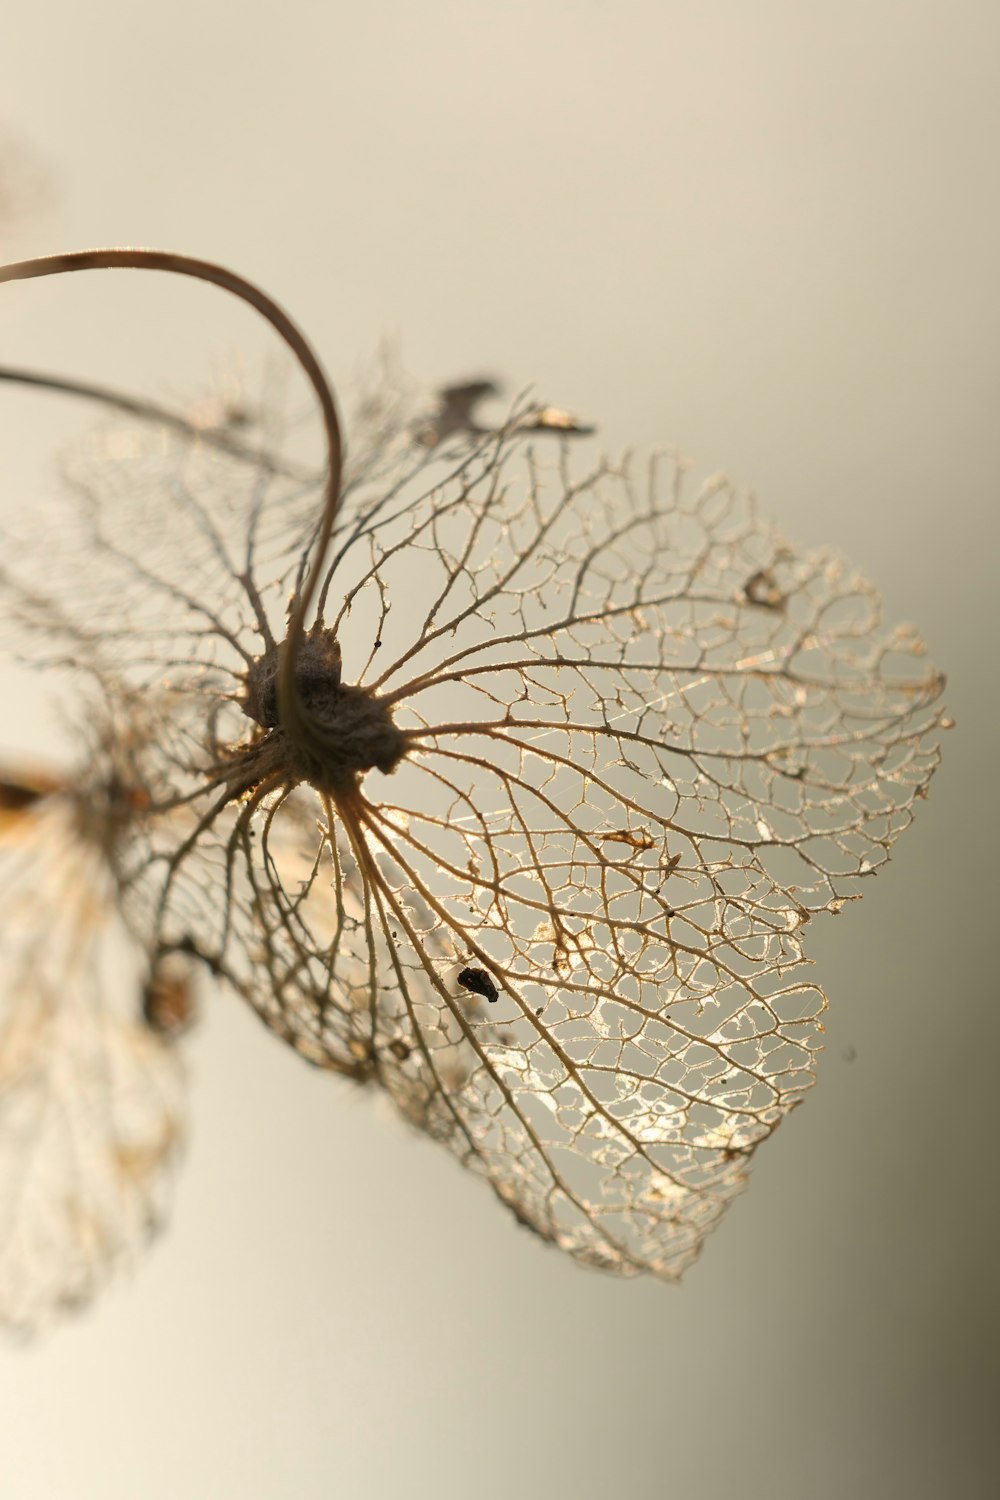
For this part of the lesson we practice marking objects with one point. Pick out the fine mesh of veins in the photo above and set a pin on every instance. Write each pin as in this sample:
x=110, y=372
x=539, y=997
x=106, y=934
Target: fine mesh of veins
x=642, y=742
x=92, y=1096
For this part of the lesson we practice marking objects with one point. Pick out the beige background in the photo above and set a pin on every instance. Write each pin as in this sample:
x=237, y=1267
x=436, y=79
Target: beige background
x=768, y=232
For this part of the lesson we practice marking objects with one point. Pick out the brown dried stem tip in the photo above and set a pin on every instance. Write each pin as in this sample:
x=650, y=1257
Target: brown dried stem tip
x=282, y=674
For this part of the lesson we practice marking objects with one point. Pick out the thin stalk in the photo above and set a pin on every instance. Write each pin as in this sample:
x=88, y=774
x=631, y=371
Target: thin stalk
x=162, y=416
x=291, y=709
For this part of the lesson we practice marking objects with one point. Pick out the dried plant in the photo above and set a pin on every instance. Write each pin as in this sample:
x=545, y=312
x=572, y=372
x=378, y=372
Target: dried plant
x=92, y=1098
x=506, y=784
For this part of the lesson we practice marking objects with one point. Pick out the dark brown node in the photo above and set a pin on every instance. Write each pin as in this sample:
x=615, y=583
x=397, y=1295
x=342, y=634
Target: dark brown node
x=349, y=728
x=478, y=982
x=317, y=677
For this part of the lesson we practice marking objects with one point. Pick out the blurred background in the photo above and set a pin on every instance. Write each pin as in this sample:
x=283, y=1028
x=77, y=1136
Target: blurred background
x=769, y=234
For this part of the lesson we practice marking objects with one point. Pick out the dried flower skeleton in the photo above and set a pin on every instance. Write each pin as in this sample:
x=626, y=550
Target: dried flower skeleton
x=506, y=784
x=92, y=1097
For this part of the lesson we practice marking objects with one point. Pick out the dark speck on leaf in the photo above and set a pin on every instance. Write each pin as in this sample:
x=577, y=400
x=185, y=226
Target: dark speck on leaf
x=479, y=982
x=761, y=588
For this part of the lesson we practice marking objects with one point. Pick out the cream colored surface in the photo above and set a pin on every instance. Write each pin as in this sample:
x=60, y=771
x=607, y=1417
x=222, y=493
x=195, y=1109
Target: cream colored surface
x=767, y=233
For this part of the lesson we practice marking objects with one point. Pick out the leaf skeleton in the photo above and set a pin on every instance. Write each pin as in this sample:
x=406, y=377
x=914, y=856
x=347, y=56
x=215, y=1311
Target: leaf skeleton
x=463, y=717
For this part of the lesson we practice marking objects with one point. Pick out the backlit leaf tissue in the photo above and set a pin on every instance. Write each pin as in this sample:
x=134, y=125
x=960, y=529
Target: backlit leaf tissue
x=515, y=797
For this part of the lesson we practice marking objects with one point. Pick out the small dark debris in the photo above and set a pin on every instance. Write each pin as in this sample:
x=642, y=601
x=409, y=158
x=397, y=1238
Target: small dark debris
x=524, y=1221
x=236, y=416
x=168, y=1006
x=761, y=588
x=456, y=411
x=399, y=1049
x=17, y=796
x=478, y=982
x=14, y=797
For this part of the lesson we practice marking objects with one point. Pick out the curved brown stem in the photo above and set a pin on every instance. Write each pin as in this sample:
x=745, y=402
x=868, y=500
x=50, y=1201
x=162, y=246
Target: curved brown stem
x=291, y=709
